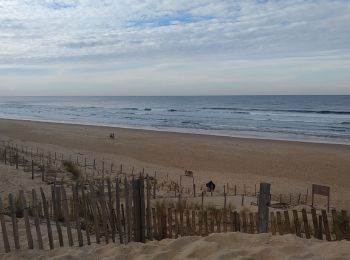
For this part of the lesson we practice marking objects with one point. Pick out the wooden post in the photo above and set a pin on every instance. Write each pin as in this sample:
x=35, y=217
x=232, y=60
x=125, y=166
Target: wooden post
x=264, y=203
x=139, y=204
x=3, y=228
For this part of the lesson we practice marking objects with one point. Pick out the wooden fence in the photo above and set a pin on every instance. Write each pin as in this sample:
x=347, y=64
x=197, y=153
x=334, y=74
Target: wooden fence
x=123, y=210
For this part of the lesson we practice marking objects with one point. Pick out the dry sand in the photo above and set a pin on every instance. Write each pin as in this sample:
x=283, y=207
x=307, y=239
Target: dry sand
x=291, y=167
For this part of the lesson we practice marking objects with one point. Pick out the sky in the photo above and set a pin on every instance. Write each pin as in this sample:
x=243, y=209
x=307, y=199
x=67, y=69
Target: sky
x=178, y=47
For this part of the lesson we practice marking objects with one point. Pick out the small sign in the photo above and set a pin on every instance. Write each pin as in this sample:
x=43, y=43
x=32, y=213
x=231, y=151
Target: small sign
x=321, y=190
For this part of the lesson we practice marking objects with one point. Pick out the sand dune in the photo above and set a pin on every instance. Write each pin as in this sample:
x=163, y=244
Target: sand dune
x=215, y=246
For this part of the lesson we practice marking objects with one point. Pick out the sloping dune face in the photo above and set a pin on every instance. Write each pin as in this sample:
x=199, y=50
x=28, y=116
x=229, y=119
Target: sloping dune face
x=215, y=246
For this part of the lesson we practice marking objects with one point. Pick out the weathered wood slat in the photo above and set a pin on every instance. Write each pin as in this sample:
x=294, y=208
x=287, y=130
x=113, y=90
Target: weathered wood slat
x=117, y=207
x=338, y=235
x=14, y=221
x=3, y=228
x=86, y=214
x=326, y=225
x=296, y=223
x=92, y=199
x=47, y=218
x=26, y=220
x=273, y=223
x=287, y=226
x=279, y=223
x=306, y=224
x=346, y=224
x=77, y=214
x=315, y=223
x=66, y=217
x=36, y=220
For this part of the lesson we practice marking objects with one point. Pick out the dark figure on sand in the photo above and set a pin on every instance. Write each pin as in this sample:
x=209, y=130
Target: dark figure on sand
x=211, y=186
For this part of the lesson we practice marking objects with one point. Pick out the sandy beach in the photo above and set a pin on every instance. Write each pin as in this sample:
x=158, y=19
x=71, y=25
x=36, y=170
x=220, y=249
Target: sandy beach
x=291, y=167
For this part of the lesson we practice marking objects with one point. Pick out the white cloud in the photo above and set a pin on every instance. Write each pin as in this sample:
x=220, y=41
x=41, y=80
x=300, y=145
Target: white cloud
x=102, y=37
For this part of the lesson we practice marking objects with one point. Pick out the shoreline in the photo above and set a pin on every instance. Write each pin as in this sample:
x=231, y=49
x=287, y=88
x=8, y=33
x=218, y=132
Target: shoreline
x=183, y=131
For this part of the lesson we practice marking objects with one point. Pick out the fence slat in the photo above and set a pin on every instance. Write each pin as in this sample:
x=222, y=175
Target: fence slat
x=36, y=219
x=287, y=227
x=92, y=199
x=66, y=216
x=306, y=224
x=117, y=207
x=326, y=225
x=315, y=223
x=336, y=226
x=85, y=212
x=346, y=224
x=14, y=221
x=279, y=223
x=77, y=214
x=47, y=218
x=26, y=220
x=296, y=223
x=194, y=230
x=3, y=229
x=110, y=210
x=273, y=223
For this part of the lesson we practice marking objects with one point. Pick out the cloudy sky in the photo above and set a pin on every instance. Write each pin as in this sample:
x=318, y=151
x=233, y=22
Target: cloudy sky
x=161, y=47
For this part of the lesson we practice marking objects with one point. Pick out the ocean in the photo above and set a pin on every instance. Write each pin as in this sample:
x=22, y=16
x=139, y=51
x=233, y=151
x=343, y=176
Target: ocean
x=324, y=119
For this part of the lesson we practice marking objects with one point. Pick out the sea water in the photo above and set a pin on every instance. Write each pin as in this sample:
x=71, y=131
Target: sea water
x=298, y=118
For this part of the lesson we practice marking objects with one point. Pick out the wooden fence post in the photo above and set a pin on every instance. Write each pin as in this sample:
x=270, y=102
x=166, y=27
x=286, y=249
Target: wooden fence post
x=264, y=203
